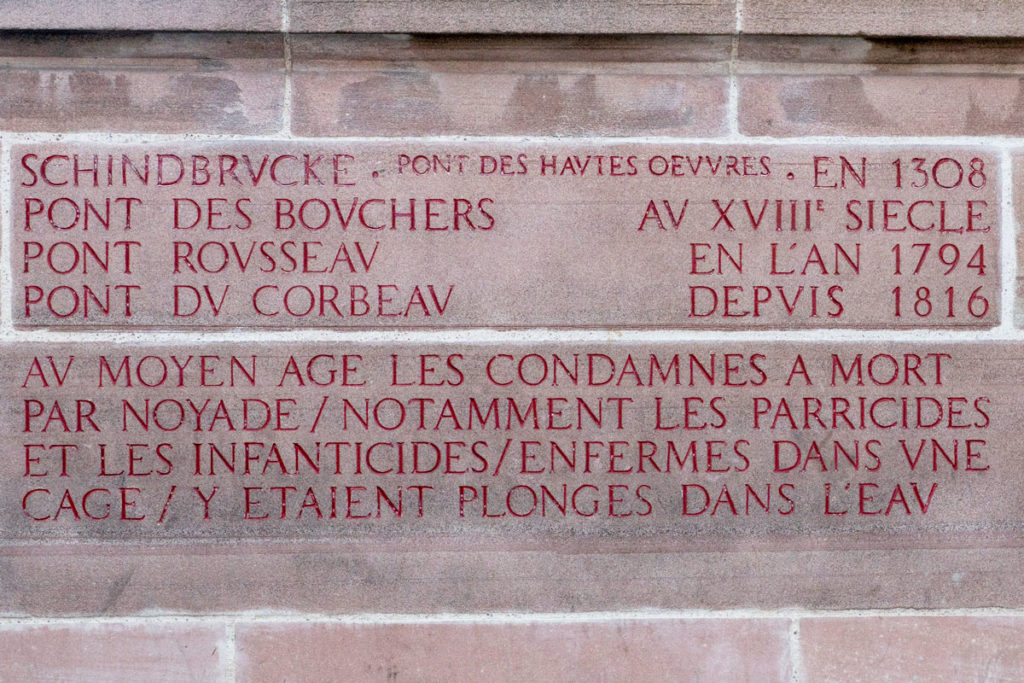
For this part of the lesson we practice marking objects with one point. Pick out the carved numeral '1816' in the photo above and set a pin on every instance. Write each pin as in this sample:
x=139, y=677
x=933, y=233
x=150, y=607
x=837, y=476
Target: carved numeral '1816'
x=920, y=303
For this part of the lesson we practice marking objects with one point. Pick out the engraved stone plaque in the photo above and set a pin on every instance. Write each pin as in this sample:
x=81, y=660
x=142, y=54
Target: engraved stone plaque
x=511, y=234
x=690, y=445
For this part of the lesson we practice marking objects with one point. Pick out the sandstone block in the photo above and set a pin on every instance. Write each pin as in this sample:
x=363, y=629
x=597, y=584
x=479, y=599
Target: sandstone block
x=854, y=86
x=141, y=15
x=456, y=477
x=904, y=648
x=870, y=17
x=504, y=86
x=529, y=16
x=516, y=234
x=113, y=652
x=159, y=83
x=658, y=650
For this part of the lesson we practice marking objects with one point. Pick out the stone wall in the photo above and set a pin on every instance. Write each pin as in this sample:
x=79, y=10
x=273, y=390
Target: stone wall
x=391, y=340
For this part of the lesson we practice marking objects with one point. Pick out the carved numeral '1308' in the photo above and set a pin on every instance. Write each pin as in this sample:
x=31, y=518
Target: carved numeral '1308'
x=946, y=173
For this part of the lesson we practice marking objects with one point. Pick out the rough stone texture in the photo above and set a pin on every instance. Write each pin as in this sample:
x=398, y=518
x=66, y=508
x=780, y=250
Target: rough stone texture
x=537, y=86
x=478, y=425
x=141, y=15
x=548, y=234
x=925, y=648
x=659, y=650
x=872, y=17
x=442, y=577
x=179, y=652
x=523, y=16
x=160, y=83
x=861, y=17
x=1018, y=195
x=927, y=514
x=855, y=86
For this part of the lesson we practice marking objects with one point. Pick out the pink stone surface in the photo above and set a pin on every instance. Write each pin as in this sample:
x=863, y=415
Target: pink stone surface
x=903, y=467
x=1018, y=175
x=526, y=16
x=509, y=86
x=633, y=442
x=854, y=86
x=512, y=234
x=141, y=15
x=871, y=17
x=658, y=650
x=342, y=577
x=164, y=83
x=976, y=18
x=926, y=648
x=111, y=652
x=876, y=104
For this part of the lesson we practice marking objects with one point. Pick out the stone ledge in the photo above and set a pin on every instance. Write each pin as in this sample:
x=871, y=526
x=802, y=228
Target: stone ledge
x=142, y=15
x=991, y=18
x=112, y=580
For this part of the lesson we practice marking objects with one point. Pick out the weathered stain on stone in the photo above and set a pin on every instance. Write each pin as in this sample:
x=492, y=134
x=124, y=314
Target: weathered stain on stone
x=385, y=101
x=824, y=100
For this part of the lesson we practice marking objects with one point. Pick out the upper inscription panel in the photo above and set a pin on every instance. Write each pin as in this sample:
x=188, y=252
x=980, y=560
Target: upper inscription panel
x=539, y=233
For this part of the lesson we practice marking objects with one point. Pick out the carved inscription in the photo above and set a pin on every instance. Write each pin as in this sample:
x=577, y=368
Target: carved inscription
x=601, y=440
x=532, y=233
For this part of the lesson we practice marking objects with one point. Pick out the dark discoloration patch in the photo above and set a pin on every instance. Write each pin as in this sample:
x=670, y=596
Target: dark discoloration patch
x=97, y=99
x=397, y=98
x=828, y=100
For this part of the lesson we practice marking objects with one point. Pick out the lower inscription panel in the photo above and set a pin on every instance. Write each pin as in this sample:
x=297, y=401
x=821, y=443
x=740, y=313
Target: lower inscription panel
x=620, y=445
